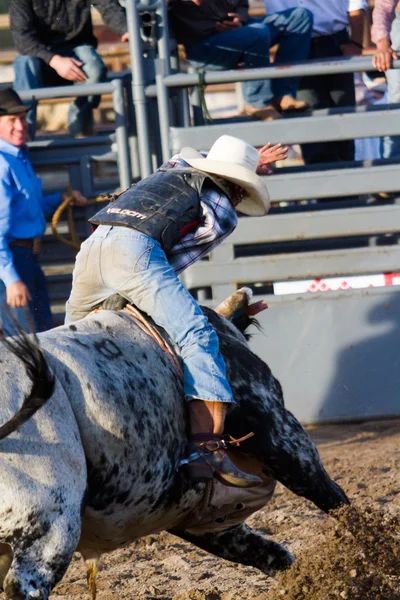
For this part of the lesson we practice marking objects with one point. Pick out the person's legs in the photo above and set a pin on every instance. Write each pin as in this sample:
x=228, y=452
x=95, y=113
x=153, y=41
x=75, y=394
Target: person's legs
x=136, y=267
x=249, y=46
x=30, y=73
x=80, y=115
x=23, y=316
x=291, y=30
x=37, y=315
x=391, y=144
x=41, y=310
x=328, y=91
x=122, y=260
x=343, y=94
x=88, y=288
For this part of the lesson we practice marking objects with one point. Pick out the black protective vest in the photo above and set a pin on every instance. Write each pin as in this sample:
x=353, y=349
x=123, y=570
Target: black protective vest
x=159, y=206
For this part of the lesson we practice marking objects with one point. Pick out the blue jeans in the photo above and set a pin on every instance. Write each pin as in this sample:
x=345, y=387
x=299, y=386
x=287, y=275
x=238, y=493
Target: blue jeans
x=391, y=143
x=32, y=72
x=123, y=260
x=249, y=45
x=28, y=268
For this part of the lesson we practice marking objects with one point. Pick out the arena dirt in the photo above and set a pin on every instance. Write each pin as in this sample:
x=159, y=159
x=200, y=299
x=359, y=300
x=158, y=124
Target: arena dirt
x=353, y=557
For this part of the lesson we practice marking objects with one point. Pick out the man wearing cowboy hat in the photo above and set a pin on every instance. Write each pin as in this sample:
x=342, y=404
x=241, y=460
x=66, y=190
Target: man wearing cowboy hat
x=145, y=238
x=22, y=210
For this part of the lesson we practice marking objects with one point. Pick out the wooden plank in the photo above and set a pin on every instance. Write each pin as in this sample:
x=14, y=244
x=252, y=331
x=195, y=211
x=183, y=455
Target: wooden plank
x=306, y=265
x=317, y=225
x=316, y=126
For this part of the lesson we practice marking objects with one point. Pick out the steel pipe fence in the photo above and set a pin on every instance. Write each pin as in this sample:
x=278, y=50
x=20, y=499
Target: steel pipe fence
x=115, y=88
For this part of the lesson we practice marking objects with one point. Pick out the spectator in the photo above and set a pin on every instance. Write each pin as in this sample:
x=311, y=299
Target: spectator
x=56, y=46
x=219, y=34
x=330, y=38
x=22, y=220
x=386, y=35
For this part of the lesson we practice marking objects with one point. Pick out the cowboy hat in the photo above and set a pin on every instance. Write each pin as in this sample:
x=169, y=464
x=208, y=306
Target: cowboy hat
x=11, y=103
x=234, y=160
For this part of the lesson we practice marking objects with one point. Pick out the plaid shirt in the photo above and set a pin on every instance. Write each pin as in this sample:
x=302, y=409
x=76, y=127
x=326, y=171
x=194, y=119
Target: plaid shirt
x=218, y=220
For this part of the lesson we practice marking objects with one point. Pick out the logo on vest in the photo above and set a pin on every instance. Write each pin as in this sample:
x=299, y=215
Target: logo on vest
x=126, y=211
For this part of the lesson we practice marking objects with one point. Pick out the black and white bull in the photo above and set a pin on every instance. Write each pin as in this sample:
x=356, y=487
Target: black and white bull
x=96, y=466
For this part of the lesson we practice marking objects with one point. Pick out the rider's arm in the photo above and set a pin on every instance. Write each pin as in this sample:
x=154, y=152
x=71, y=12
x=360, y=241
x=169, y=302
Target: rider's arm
x=218, y=220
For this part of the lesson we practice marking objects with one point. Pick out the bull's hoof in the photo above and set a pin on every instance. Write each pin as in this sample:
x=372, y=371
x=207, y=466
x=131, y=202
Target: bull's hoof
x=15, y=590
x=282, y=560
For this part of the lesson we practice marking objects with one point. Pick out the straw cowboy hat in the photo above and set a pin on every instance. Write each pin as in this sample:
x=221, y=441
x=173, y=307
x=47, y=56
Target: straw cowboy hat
x=11, y=103
x=236, y=161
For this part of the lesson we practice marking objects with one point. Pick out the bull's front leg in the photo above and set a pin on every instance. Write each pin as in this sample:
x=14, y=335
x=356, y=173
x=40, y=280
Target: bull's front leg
x=285, y=449
x=242, y=545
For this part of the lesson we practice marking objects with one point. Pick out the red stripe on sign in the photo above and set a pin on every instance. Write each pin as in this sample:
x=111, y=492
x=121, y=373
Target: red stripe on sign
x=390, y=278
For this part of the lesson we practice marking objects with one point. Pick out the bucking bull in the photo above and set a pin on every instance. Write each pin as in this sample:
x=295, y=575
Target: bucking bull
x=93, y=436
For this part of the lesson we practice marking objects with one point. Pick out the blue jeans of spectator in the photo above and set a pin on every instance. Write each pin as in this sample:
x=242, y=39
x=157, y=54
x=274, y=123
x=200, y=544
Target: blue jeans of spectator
x=249, y=46
x=28, y=268
x=391, y=143
x=328, y=91
x=32, y=72
x=123, y=260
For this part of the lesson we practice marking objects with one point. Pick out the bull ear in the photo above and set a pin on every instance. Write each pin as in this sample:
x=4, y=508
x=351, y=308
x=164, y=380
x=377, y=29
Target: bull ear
x=238, y=301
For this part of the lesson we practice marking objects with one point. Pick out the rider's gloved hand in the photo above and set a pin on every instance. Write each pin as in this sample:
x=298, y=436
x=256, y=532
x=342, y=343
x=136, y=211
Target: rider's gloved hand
x=114, y=302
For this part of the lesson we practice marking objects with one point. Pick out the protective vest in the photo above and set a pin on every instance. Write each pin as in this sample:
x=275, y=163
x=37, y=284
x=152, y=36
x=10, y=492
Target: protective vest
x=160, y=206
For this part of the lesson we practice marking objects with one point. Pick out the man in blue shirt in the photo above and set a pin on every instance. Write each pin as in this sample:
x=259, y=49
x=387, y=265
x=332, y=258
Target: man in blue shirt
x=22, y=218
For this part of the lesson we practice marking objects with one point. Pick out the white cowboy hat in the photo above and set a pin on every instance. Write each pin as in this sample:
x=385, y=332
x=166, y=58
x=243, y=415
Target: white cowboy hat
x=236, y=161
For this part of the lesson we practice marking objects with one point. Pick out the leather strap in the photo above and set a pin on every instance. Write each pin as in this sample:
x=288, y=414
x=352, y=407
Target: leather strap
x=211, y=442
x=33, y=244
x=25, y=243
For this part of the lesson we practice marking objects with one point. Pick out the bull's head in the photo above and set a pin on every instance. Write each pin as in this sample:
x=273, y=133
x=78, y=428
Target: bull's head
x=237, y=308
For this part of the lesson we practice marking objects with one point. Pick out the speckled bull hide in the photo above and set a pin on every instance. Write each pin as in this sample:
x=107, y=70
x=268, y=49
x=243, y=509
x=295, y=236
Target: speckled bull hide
x=96, y=466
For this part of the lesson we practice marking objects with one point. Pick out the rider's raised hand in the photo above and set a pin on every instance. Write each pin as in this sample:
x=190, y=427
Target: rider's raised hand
x=268, y=155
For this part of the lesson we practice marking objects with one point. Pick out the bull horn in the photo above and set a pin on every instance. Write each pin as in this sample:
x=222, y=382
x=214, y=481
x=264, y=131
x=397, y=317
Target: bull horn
x=238, y=300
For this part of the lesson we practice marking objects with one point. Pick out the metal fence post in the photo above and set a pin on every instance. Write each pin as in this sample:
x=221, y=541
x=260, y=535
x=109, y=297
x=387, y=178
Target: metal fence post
x=138, y=92
x=121, y=135
x=181, y=114
x=163, y=40
x=195, y=101
x=163, y=108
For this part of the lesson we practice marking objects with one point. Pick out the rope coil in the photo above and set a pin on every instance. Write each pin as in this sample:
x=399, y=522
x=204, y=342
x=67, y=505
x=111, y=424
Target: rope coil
x=74, y=241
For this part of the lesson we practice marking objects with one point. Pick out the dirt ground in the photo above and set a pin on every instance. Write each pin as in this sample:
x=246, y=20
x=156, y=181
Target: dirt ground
x=331, y=564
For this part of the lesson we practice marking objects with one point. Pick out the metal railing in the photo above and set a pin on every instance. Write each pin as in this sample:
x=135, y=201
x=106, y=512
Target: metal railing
x=115, y=88
x=301, y=130
x=324, y=126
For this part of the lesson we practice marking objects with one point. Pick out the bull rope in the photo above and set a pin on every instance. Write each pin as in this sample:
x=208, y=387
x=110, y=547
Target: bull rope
x=152, y=332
